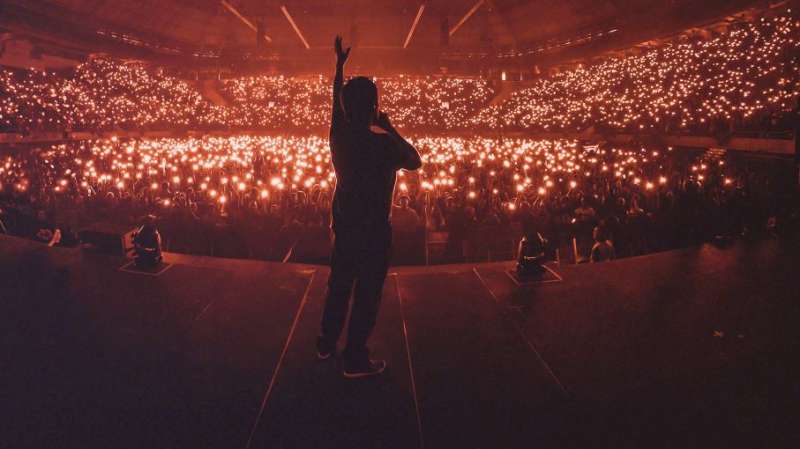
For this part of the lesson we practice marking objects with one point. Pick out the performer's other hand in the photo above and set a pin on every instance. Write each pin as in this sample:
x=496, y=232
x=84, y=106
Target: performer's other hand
x=341, y=53
x=383, y=122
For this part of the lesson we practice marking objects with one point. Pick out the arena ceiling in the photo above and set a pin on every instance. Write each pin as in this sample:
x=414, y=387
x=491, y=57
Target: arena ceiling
x=296, y=30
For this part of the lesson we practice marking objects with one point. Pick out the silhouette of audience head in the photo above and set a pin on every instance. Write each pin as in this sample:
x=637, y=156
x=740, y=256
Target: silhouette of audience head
x=360, y=101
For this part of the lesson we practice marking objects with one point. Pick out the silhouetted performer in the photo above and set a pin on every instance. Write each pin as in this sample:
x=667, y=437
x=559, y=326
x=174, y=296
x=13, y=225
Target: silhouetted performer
x=367, y=152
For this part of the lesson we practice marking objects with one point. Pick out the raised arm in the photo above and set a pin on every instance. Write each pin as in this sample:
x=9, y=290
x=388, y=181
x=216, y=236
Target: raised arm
x=406, y=156
x=338, y=80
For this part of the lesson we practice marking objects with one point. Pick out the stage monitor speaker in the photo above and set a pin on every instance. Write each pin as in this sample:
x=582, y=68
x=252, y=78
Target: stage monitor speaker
x=109, y=238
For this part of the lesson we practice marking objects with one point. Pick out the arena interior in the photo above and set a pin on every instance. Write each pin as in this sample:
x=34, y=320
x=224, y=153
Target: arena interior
x=599, y=249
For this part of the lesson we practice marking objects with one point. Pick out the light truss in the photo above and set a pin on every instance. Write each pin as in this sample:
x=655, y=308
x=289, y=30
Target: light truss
x=466, y=17
x=414, y=25
x=244, y=19
x=294, y=25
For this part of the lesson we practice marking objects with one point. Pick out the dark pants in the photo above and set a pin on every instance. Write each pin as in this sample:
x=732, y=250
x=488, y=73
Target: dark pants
x=360, y=259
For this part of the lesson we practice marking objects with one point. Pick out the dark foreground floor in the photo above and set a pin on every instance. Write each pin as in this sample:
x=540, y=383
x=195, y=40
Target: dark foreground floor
x=693, y=348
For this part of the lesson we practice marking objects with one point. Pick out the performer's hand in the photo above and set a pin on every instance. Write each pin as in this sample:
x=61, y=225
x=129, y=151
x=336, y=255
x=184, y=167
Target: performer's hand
x=341, y=53
x=383, y=122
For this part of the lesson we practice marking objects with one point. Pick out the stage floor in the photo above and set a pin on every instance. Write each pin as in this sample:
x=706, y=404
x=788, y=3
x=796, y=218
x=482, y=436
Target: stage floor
x=690, y=348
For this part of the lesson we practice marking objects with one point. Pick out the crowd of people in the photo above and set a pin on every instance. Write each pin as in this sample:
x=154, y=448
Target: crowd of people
x=107, y=95
x=303, y=103
x=743, y=78
x=268, y=197
x=98, y=95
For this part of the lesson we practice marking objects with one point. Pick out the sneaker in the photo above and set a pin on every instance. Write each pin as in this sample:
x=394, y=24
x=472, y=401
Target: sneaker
x=368, y=369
